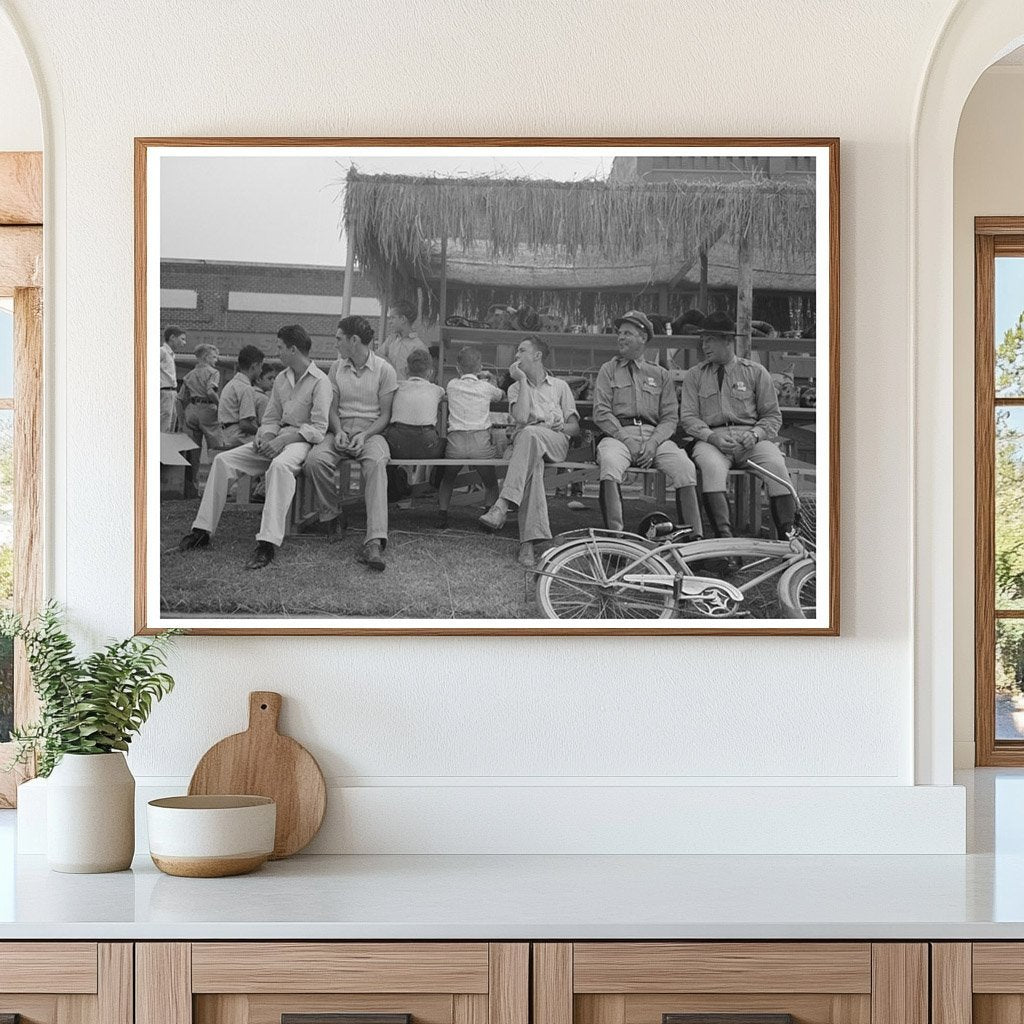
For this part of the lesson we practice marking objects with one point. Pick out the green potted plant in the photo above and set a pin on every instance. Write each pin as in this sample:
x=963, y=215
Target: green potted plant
x=90, y=708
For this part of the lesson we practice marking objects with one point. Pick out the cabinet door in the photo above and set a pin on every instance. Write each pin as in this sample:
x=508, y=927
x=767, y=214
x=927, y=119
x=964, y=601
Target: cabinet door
x=981, y=982
x=65, y=983
x=730, y=983
x=332, y=983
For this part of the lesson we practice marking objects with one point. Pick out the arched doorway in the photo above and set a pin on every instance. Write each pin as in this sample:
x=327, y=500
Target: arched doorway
x=977, y=33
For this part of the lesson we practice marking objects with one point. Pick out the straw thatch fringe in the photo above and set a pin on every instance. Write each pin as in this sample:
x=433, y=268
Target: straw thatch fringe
x=394, y=220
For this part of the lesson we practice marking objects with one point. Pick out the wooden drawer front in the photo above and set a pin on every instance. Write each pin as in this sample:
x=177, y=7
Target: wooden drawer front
x=310, y=967
x=998, y=967
x=710, y=967
x=58, y=967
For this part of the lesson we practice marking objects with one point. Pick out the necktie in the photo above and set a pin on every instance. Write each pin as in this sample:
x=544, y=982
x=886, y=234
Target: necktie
x=721, y=375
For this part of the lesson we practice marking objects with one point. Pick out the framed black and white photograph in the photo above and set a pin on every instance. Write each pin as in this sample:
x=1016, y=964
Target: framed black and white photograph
x=498, y=386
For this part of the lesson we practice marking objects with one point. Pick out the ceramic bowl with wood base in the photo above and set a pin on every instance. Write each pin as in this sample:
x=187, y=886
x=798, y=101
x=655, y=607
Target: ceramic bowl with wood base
x=211, y=836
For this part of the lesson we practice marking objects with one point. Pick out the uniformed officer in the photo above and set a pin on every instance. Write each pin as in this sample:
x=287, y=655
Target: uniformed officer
x=729, y=405
x=635, y=407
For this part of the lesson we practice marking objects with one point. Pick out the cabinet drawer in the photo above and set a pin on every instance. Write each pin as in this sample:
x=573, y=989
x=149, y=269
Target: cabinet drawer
x=730, y=983
x=58, y=967
x=332, y=983
x=635, y=967
x=340, y=967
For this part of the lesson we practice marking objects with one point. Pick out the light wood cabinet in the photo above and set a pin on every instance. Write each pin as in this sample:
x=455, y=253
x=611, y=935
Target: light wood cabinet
x=978, y=983
x=66, y=982
x=512, y=983
x=737, y=982
x=378, y=982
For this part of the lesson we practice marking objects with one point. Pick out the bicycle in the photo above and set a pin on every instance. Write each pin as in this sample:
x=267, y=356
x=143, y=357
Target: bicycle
x=605, y=574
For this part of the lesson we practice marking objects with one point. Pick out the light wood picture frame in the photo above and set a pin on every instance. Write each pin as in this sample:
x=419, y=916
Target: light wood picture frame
x=490, y=244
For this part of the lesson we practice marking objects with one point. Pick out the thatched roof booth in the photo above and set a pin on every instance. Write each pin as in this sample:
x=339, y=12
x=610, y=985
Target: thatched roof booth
x=421, y=231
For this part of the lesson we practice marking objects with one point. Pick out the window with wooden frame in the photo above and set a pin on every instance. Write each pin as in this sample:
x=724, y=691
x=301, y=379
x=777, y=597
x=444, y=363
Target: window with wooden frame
x=21, y=366
x=999, y=490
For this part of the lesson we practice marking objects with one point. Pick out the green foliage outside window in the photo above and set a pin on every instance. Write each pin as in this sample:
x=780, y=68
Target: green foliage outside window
x=1009, y=457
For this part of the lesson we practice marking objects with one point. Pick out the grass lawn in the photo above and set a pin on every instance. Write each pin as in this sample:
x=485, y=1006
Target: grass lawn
x=458, y=573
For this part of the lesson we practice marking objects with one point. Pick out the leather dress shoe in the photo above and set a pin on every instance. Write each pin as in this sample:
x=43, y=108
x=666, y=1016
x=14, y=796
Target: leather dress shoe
x=371, y=556
x=194, y=539
x=493, y=519
x=262, y=556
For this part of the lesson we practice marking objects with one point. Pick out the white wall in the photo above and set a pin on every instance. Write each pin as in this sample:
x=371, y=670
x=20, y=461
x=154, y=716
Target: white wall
x=432, y=716
x=987, y=182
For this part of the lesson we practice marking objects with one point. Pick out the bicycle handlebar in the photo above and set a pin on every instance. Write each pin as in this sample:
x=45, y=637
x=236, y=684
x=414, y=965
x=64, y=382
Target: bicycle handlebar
x=767, y=474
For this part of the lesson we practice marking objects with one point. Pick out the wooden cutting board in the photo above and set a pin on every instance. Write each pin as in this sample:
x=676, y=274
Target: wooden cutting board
x=262, y=762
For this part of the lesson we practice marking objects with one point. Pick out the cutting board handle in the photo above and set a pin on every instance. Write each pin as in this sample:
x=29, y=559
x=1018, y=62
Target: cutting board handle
x=264, y=710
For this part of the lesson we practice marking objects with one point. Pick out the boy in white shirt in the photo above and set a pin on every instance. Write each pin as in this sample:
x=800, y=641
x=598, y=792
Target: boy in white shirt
x=412, y=432
x=469, y=428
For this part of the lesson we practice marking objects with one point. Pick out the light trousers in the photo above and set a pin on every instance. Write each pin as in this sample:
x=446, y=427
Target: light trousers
x=321, y=470
x=281, y=472
x=715, y=466
x=167, y=402
x=524, y=481
x=615, y=457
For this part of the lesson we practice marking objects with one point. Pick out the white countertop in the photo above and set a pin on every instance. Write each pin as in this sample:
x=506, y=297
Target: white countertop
x=516, y=897
x=977, y=896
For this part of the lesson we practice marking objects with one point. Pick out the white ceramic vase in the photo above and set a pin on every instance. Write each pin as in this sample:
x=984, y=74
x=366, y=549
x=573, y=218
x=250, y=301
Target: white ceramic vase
x=90, y=814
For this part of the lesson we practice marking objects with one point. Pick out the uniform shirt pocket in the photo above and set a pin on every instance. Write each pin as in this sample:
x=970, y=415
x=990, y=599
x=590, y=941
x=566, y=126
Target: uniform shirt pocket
x=741, y=395
x=622, y=399
x=650, y=400
x=710, y=402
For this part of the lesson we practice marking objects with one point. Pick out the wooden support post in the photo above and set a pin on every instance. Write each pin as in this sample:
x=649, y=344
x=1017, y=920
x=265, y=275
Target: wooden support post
x=744, y=296
x=350, y=260
x=702, y=287
x=382, y=324
x=442, y=310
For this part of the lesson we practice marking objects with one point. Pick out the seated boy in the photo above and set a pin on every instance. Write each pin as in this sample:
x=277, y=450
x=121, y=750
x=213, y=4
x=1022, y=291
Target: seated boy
x=469, y=428
x=412, y=432
x=236, y=410
x=262, y=387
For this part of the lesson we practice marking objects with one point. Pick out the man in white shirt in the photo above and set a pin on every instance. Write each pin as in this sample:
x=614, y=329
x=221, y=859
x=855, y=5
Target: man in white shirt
x=402, y=340
x=545, y=415
x=295, y=420
x=174, y=338
x=363, y=389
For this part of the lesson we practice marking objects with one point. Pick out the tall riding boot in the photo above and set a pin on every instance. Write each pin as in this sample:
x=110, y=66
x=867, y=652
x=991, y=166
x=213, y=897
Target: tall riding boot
x=688, y=511
x=610, y=499
x=717, y=506
x=191, y=489
x=783, y=514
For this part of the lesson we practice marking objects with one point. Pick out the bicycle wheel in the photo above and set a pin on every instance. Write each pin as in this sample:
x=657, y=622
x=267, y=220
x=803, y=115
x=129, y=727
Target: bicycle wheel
x=753, y=566
x=573, y=583
x=797, y=591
